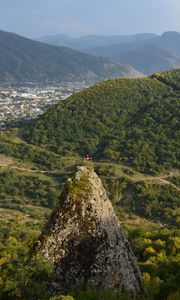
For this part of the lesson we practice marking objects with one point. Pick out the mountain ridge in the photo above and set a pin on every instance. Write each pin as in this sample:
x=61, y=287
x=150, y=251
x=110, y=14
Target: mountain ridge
x=27, y=60
x=88, y=41
x=145, y=55
x=148, y=53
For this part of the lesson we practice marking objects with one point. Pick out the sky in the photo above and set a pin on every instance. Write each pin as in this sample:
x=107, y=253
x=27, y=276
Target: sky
x=35, y=18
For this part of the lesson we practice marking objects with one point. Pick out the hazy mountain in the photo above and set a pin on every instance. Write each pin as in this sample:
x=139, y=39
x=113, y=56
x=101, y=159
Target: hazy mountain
x=148, y=53
x=91, y=41
x=147, y=56
x=23, y=59
x=147, y=59
x=170, y=40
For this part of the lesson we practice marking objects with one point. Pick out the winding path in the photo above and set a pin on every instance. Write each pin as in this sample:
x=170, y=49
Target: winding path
x=161, y=179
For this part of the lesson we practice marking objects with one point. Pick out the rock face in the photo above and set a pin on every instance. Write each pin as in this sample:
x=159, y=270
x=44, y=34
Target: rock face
x=83, y=238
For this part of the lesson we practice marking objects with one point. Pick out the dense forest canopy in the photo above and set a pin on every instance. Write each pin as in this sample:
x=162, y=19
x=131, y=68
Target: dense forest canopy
x=134, y=121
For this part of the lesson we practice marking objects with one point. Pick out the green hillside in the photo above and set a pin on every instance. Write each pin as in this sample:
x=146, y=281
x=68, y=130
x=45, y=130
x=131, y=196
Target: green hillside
x=25, y=60
x=29, y=190
x=169, y=78
x=31, y=178
x=130, y=127
x=131, y=121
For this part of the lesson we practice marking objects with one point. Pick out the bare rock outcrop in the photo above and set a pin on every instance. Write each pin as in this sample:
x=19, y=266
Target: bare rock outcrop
x=85, y=241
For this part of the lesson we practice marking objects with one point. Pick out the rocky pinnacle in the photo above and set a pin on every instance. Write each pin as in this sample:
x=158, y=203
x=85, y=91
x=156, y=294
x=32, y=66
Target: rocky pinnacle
x=84, y=239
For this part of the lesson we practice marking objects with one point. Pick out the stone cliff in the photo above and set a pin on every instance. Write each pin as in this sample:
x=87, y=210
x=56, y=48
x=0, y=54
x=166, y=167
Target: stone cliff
x=85, y=241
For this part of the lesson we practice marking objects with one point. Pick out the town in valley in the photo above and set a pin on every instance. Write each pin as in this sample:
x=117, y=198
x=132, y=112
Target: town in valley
x=26, y=102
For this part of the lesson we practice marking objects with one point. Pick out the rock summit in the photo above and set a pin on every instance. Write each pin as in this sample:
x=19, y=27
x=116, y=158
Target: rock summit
x=84, y=239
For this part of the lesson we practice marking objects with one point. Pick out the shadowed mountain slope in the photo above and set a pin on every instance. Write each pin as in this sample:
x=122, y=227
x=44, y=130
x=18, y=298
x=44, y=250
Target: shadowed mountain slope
x=25, y=60
x=147, y=56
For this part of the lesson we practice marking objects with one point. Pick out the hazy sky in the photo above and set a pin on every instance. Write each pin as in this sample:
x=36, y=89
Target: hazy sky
x=34, y=18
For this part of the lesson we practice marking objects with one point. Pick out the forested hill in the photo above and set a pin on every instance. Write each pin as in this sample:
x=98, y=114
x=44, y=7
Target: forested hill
x=170, y=78
x=133, y=121
x=23, y=60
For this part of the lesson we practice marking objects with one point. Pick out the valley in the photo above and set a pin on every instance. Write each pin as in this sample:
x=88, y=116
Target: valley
x=89, y=150
x=37, y=158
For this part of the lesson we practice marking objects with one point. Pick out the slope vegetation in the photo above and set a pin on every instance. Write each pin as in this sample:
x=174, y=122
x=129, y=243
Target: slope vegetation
x=134, y=121
x=31, y=180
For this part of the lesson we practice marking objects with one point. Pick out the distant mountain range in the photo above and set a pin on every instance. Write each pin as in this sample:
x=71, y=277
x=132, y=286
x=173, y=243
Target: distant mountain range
x=103, y=57
x=147, y=53
x=25, y=60
x=87, y=42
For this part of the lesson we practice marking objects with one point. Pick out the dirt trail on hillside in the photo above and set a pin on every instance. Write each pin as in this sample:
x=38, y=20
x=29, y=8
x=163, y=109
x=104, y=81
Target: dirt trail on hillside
x=25, y=169
x=161, y=179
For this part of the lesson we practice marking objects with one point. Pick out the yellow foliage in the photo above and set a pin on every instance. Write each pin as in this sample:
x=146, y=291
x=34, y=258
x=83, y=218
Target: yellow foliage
x=150, y=250
x=160, y=244
x=161, y=256
x=3, y=260
x=147, y=241
x=146, y=277
x=12, y=239
x=175, y=241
